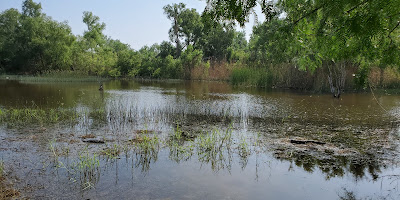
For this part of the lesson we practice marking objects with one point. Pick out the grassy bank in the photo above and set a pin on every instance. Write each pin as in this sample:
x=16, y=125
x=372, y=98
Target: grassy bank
x=288, y=76
x=242, y=75
x=55, y=76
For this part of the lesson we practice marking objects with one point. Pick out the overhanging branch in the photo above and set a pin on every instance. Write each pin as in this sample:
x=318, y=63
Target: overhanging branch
x=308, y=14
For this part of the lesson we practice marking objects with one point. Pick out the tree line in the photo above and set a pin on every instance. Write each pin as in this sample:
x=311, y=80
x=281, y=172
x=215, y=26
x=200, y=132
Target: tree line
x=32, y=43
x=305, y=35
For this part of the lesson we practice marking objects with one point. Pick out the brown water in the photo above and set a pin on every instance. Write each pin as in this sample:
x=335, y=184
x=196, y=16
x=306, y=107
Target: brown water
x=360, y=156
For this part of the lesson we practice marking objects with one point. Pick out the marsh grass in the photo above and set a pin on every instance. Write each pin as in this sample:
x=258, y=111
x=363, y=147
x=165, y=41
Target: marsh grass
x=243, y=147
x=22, y=116
x=98, y=115
x=215, y=148
x=251, y=77
x=148, y=144
x=88, y=168
x=147, y=149
x=55, y=76
x=85, y=168
x=179, y=150
x=1, y=168
x=112, y=151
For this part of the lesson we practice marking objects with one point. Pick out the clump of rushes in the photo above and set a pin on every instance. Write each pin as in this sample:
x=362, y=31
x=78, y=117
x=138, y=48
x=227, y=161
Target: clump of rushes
x=86, y=162
x=243, y=147
x=112, y=152
x=178, y=149
x=148, y=144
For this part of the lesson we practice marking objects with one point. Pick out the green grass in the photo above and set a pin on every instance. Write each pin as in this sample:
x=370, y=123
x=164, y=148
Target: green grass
x=18, y=117
x=112, y=152
x=1, y=168
x=251, y=77
x=23, y=116
x=55, y=76
x=148, y=144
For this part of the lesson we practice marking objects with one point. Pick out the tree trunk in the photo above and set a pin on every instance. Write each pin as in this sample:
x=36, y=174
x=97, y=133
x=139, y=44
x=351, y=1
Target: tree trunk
x=337, y=78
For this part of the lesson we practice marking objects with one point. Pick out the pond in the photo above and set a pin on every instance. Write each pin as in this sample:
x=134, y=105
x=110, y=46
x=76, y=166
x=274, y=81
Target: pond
x=195, y=140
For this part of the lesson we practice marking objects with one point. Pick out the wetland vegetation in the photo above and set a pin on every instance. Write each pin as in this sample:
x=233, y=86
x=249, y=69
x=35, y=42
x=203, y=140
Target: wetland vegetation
x=244, y=136
x=135, y=138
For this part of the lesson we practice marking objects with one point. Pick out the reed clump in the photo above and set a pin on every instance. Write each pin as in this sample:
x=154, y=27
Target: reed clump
x=251, y=77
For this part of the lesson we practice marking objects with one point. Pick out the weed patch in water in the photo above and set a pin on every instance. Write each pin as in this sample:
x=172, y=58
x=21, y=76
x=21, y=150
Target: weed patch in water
x=112, y=152
x=19, y=117
x=1, y=168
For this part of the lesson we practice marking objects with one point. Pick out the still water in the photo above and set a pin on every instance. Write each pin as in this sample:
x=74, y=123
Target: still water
x=349, y=150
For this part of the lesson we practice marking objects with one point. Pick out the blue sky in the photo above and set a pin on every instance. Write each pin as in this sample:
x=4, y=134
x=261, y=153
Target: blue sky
x=135, y=22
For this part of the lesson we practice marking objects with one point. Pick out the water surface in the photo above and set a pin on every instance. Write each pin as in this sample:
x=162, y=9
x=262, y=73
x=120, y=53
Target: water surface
x=359, y=155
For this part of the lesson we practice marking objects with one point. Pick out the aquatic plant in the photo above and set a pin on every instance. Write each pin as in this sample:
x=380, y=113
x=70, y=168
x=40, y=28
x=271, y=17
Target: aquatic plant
x=86, y=162
x=53, y=150
x=112, y=152
x=215, y=148
x=181, y=152
x=1, y=168
x=87, y=168
x=147, y=149
x=147, y=143
x=22, y=116
x=244, y=149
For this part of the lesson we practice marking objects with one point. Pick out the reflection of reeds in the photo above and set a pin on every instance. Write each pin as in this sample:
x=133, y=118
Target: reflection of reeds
x=215, y=148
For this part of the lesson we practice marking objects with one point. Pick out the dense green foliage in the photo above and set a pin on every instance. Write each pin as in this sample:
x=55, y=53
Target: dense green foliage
x=332, y=34
x=33, y=43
